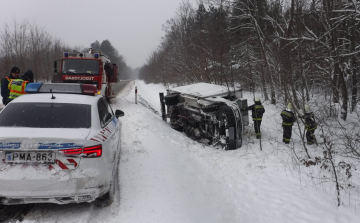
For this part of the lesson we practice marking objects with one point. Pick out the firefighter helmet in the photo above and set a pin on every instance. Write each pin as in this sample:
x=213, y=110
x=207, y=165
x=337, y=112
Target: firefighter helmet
x=257, y=99
x=307, y=108
x=290, y=106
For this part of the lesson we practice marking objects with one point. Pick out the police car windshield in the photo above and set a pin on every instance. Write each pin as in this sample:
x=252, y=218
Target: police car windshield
x=46, y=115
x=80, y=67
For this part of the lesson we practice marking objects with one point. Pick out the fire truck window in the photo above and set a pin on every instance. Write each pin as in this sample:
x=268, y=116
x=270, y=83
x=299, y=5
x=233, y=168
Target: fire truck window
x=109, y=70
x=107, y=66
x=80, y=67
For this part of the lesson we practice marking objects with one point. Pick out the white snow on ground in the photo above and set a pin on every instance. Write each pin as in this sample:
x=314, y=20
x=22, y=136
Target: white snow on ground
x=167, y=177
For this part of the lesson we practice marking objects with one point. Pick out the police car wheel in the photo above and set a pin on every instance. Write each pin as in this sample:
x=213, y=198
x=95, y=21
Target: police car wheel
x=108, y=198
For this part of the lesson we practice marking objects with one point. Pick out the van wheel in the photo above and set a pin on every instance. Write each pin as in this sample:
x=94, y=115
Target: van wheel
x=239, y=135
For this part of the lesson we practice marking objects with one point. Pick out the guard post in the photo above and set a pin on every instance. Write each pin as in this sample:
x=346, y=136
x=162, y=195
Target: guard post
x=163, y=114
x=135, y=94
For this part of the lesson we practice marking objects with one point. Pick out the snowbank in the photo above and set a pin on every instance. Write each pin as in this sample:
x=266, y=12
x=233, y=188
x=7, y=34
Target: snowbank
x=265, y=186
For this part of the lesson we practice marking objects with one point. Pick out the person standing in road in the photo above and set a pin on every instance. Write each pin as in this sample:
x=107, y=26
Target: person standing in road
x=310, y=125
x=289, y=118
x=257, y=111
x=5, y=92
x=17, y=86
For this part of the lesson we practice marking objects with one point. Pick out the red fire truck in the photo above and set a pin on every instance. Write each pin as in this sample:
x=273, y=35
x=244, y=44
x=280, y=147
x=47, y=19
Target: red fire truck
x=89, y=68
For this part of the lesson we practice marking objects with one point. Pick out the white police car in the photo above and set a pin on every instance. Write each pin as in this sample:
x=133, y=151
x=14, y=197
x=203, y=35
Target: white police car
x=60, y=143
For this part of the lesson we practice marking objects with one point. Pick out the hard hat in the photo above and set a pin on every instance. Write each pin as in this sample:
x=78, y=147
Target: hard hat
x=290, y=106
x=307, y=108
x=257, y=99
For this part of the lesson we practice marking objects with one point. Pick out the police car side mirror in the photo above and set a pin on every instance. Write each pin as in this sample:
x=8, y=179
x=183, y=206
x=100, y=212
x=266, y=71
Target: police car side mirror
x=119, y=113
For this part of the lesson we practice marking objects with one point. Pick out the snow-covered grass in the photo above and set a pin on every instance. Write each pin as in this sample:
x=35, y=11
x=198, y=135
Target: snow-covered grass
x=167, y=177
x=267, y=186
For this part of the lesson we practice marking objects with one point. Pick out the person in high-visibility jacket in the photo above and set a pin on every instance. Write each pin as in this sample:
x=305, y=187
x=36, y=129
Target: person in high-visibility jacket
x=289, y=118
x=257, y=111
x=14, y=74
x=17, y=86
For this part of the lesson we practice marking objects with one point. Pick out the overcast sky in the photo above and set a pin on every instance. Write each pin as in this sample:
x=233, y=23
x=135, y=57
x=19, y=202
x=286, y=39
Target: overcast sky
x=134, y=27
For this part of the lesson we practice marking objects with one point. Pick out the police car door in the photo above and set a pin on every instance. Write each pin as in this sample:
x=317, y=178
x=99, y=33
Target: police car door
x=109, y=130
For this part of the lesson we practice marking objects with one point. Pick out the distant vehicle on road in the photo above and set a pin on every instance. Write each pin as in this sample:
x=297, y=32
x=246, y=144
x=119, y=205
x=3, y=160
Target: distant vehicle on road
x=89, y=68
x=59, y=143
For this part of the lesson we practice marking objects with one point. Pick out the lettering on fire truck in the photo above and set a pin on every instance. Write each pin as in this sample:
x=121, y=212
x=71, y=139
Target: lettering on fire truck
x=79, y=78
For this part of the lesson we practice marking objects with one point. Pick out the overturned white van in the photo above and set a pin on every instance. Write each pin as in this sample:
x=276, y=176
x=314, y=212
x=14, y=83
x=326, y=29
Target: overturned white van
x=207, y=113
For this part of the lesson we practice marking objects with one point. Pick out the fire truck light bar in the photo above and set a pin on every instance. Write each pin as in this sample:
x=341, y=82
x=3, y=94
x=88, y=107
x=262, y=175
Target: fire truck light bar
x=96, y=55
x=61, y=88
x=66, y=54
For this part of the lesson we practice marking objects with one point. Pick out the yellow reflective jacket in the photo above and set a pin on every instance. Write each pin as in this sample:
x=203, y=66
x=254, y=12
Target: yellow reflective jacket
x=17, y=88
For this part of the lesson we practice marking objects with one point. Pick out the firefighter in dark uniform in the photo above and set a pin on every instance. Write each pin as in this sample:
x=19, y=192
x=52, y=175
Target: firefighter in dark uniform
x=257, y=111
x=310, y=125
x=289, y=118
x=5, y=92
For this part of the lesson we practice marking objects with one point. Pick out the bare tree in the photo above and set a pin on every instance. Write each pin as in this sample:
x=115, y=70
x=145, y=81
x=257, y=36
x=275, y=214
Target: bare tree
x=28, y=47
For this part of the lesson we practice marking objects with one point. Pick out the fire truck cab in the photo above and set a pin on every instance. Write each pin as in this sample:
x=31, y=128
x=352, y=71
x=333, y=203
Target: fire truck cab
x=88, y=68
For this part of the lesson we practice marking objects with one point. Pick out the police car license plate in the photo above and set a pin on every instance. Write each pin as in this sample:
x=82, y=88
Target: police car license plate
x=30, y=157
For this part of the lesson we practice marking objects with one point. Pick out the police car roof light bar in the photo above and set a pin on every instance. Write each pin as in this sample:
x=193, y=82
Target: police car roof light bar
x=61, y=88
x=68, y=88
x=33, y=87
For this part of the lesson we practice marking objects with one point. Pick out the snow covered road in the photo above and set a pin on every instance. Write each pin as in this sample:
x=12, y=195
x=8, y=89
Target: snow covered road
x=166, y=177
x=160, y=182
